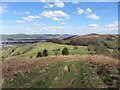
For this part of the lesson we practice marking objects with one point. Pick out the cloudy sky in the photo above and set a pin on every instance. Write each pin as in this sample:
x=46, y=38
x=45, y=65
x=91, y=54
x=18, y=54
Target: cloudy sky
x=59, y=17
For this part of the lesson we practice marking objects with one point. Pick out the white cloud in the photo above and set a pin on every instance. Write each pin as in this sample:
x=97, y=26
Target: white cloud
x=55, y=14
x=30, y=18
x=3, y=8
x=106, y=28
x=34, y=17
x=80, y=11
x=93, y=25
x=27, y=19
x=59, y=4
x=113, y=26
x=38, y=23
x=49, y=5
x=88, y=10
x=27, y=12
x=57, y=19
x=63, y=23
x=19, y=21
x=93, y=16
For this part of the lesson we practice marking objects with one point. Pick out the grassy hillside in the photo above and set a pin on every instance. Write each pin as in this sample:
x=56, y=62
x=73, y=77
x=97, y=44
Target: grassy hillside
x=49, y=46
x=77, y=71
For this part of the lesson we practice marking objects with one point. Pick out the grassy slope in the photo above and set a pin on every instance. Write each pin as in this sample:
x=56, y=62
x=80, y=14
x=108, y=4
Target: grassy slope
x=5, y=53
x=55, y=76
x=50, y=46
x=22, y=49
x=111, y=44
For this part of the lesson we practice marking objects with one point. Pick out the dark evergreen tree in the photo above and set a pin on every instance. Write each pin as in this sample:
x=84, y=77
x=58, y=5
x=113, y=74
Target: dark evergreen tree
x=45, y=52
x=65, y=51
x=39, y=54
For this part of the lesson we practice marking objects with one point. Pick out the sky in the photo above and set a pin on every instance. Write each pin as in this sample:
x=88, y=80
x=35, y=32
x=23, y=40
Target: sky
x=59, y=17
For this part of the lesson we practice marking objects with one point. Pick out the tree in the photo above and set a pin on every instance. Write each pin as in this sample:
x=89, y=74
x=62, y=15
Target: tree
x=45, y=52
x=39, y=54
x=65, y=51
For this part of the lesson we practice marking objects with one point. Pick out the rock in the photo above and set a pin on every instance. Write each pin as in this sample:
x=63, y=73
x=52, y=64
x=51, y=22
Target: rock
x=65, y=68
x=56, y=78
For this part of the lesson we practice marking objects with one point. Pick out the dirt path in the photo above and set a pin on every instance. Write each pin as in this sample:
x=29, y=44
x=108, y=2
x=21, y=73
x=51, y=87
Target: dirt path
x=73, y=78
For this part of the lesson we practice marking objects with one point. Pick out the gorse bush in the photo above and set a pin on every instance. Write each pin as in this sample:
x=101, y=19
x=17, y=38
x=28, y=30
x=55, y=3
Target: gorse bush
x=65, y=51
x=39, y=54
x=45, y=52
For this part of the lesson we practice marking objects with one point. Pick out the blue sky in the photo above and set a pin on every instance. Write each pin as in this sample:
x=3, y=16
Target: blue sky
x=59, y=17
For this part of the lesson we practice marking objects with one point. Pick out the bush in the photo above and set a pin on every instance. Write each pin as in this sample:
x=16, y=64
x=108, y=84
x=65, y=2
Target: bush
x=101, y=49
x=75, y=47
x=90, y=47
x=13, y=50
x=45, y=52
x=17, y=53
x=30, y=56
x=65, y=51
x=39, y=54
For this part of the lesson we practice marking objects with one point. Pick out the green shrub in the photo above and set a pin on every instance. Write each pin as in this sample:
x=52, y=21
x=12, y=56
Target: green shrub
x=39, y=54
x=65, y=51
x=45, y=52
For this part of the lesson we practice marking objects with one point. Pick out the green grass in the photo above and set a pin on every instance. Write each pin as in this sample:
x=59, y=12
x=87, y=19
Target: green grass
x=50, y=47
x=111, y=44
x=6, y=53
x=22, y=49
x=31, y=75
x=110, y=50
x=87, y=76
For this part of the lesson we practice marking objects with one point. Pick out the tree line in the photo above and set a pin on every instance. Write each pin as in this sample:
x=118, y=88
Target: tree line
x=45, y=52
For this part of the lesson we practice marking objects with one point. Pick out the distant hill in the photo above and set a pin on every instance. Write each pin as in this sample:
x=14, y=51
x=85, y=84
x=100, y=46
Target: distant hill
x=21, y=36
x=108, y=40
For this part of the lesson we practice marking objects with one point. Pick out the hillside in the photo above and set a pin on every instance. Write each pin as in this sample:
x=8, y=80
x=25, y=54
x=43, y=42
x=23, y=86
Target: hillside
x=72, y=71
x=108, y=40
x=91, y=38
x=21, y=36
x=31, y=50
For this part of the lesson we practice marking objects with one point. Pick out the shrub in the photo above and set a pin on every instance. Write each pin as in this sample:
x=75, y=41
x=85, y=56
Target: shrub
x=65, y=51
x=90, y=47
x=39, y=54
x=56, y=51
x=13, y=50
x=17, y=53
x=75, y=47
x=30, y=56
x=45, y=52
x=101, y=49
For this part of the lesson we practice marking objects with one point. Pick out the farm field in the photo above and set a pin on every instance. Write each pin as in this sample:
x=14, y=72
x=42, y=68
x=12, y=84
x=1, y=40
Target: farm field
x=72, y=71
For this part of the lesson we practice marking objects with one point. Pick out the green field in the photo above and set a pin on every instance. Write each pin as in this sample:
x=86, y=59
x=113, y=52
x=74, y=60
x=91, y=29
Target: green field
x=6, y=53
x=50, y=47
